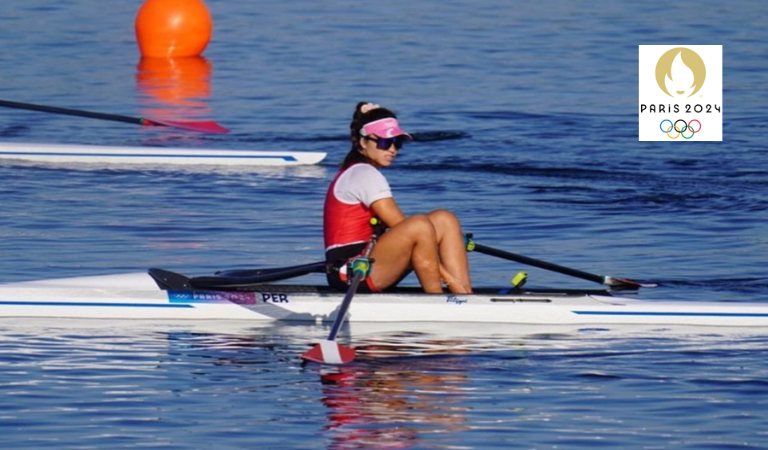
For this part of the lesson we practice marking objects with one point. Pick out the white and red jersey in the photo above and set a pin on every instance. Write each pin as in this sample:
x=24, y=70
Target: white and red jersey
x=347, y=214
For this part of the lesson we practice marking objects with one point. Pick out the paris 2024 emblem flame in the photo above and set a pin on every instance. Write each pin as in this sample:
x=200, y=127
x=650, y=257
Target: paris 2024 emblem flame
x=680, y=72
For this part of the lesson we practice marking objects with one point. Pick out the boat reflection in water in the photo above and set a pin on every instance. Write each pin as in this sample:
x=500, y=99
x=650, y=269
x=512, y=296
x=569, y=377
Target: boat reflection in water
x=392, y=405
x=408, y=387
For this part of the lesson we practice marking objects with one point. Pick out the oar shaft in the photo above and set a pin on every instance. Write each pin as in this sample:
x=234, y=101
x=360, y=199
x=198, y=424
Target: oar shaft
x=204, y=126
x=360, y=268
x=243, y=278
x=345, y=306
x=72, y=112
x=538, y=263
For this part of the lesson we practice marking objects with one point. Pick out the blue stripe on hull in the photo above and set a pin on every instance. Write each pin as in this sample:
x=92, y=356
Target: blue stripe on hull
x=120, y=305
x=668, y=314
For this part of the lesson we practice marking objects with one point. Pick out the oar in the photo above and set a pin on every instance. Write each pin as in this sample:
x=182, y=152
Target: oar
x=302, y=269
x=233, y=280
x=199, y=126
x=328, y=351
x=619, y=283
x=242, y=278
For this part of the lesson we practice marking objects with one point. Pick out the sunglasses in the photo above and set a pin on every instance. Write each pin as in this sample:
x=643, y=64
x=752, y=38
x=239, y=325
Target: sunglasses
x=386, y=143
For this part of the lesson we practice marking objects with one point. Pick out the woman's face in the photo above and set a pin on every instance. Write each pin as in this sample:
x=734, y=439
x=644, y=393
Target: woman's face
x=380, y=158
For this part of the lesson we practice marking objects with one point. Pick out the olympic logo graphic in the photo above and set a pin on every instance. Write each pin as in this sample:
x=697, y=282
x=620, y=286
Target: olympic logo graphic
x=680, y=131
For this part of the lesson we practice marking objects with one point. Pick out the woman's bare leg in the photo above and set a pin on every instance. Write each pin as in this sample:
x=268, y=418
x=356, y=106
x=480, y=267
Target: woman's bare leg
x=411, y=243
x=452, y=251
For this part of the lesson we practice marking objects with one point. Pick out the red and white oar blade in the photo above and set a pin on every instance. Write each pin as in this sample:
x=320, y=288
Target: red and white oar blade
x=329, y=352
x=204, y=126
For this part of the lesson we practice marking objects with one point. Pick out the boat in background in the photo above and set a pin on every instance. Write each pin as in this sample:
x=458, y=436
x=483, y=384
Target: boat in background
x=98, y=154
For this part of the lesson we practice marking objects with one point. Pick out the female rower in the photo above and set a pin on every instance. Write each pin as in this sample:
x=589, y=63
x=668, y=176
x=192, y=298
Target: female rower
x=431, y=244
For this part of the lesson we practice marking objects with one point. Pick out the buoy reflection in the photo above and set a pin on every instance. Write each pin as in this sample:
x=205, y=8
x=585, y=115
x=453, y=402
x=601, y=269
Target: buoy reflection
x=174, y=88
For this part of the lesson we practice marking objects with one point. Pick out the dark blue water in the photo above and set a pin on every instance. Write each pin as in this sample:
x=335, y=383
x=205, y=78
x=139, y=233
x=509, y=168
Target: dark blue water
x=526, y=126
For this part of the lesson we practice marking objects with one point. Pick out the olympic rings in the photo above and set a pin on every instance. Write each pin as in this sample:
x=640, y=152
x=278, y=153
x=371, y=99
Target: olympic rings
x=680, y=131
x=694, y=120
x=662, y=123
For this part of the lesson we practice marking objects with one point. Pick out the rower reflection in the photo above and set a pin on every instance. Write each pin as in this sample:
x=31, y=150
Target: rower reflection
x=391, y=405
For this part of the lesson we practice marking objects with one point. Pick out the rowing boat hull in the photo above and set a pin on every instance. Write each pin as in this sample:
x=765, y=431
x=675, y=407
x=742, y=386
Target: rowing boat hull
x=88, y=154
x=135, y=296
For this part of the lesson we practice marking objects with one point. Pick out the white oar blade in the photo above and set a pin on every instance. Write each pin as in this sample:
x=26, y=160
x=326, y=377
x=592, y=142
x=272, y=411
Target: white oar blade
x=329, y=352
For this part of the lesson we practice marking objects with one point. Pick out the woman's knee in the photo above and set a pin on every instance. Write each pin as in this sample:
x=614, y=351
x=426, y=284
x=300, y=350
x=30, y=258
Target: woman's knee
x=421, y=226
x=443, y=219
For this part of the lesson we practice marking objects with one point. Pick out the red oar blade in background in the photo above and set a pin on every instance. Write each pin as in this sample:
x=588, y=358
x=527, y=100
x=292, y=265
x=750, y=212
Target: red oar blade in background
x=204, y=126
x=329, y=352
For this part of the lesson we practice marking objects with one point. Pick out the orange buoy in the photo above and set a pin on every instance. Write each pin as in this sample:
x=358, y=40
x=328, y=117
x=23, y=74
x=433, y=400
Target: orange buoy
x=171, y=28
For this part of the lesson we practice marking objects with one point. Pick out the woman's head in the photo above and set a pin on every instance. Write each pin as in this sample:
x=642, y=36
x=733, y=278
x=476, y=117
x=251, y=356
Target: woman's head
x=373, y=128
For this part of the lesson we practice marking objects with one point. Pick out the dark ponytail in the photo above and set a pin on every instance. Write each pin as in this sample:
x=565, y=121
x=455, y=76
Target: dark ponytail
x=359, y=118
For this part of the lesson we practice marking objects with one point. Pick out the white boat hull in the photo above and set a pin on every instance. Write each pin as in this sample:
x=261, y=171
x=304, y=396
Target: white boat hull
x=135, y=296
x=89, y=154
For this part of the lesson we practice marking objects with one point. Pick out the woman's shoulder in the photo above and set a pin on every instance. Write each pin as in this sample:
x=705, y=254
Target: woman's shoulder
x=363, y=166
x=362, y=170
x=361, y=174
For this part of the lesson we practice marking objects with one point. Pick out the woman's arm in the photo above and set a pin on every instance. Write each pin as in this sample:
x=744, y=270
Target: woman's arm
x=387, y=210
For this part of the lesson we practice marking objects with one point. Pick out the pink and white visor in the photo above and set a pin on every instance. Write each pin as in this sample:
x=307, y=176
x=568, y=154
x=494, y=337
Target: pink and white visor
x=386, y=128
